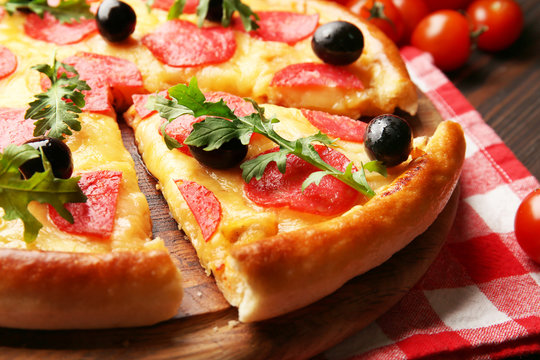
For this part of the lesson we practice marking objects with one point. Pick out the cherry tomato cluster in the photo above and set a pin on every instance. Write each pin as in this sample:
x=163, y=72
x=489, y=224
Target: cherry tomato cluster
x=447, y=29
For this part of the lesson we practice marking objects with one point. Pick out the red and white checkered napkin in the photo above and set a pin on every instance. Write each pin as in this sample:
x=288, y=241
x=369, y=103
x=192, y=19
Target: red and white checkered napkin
x=480, y=299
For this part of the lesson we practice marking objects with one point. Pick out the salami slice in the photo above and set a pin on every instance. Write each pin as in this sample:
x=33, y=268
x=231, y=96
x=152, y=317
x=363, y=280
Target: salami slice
x=203, y=204
x=337, y=126
x=96, y=216
x=282, y=26
x=51, y=30
x=109, y=78
x=189, y=8
x=109, y=70
x=314, y=74
x=330, y=197
x=180, y=128
x=239, y=106
x=180, y=43
x=8, y=62
x=14, y=129
x=140, y=100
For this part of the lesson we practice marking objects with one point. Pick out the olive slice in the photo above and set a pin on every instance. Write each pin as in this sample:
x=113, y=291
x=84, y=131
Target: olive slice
x=229, y=155
x=57, y=153
x=338, y=43
x=115, y=20
x=388, y=138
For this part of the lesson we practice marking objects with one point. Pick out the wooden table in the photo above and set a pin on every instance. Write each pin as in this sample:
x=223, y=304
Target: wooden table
x=505, y=88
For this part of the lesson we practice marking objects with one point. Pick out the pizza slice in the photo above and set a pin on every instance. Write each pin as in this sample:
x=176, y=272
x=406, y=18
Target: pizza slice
x=101, y=269
x=272, y=64
x=276, y=231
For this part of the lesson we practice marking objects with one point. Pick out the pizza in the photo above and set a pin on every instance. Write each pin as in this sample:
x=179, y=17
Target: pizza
x=272, y=241
x=105, y=269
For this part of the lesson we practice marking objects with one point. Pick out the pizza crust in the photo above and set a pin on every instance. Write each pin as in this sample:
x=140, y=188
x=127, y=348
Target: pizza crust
x=60, y=290
x=282, y=273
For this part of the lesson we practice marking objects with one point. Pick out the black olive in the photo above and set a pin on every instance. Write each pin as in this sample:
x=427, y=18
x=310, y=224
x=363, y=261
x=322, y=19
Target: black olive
x=56, y=152
x=215, y=10
x=227, y=156
x=115, y=20
x=338, y=43
x=388, y=138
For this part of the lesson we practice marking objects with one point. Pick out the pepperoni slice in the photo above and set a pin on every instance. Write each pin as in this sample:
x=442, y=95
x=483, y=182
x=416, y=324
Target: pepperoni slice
x=8, y=62
x=203, y=204
x=180, y=128
x=14, y=129
x=282, y=26
x=189, y=8
x=51, y=30
x=109, y=70
x=313, y=74
x=108, y=77
x=239, y=106
x=180, y=43
x=96, y=216
x=337, y=126
x=140, y=100
x=275, y=189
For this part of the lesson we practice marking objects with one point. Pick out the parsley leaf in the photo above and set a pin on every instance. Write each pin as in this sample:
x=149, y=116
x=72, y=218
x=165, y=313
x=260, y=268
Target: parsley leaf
x=215, y=130
x=57, y=110
x=67, y=11
x=247, y=16
x=16, y=193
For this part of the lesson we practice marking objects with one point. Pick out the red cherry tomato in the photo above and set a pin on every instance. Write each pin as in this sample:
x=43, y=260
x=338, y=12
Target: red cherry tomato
x=381, y=13
x=412, y=12
x=447, y=4
x=527, y=225
x=502, y=19
x=445, y=35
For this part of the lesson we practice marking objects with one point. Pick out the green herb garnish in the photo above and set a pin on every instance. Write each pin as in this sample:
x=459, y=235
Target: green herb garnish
x=247, y=16
x=215, y=130
x=67, y=11
x=16, y=193
x=57, y=110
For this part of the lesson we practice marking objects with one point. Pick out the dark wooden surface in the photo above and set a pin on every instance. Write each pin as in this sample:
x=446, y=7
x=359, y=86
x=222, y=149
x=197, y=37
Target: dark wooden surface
x=505, y=88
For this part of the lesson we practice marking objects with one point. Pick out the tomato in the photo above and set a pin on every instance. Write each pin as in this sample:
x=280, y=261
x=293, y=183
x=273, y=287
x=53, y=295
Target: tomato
x=445, y=35
x=527, y=225
x=503, y=20
x=434, y=5
x=381, y=13
x=412, y=12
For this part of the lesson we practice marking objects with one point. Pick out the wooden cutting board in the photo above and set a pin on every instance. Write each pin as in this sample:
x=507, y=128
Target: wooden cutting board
x=206, y=326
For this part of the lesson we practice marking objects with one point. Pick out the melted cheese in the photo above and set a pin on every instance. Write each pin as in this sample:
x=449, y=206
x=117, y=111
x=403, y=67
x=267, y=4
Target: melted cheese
x=249, y=72
x=242, y=220
x=97, y=146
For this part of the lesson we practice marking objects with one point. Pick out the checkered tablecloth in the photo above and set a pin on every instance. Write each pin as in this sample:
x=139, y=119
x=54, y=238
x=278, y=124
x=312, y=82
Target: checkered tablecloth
x=480, y=299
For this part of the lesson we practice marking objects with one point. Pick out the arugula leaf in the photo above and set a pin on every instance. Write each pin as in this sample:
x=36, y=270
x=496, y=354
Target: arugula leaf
x=16, y=193
x=57, y=110
x=67, y=11
x=376, y=166
x=247, y=16
x=215, y=130
x=176, y=9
